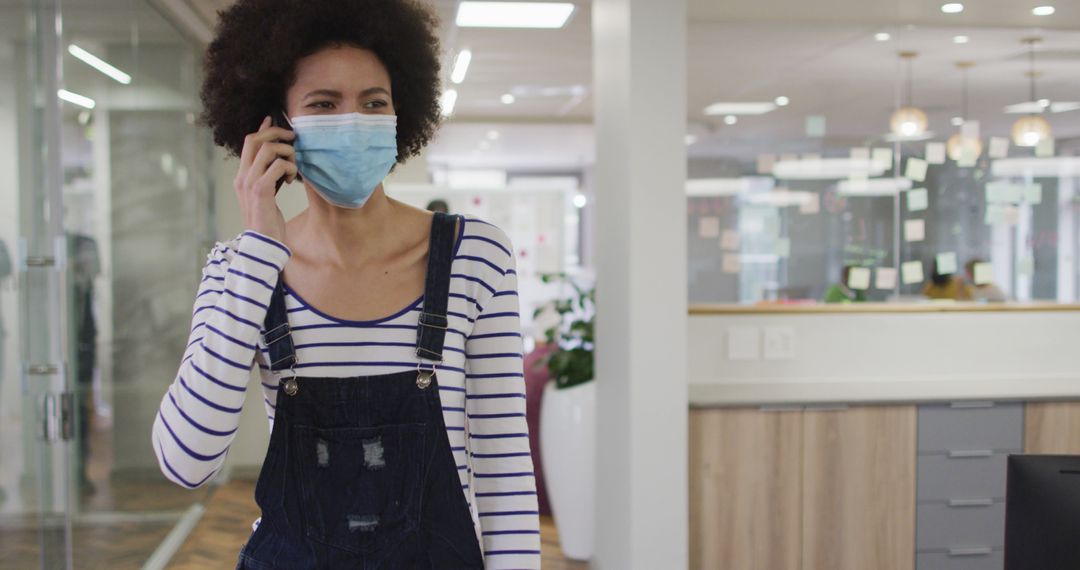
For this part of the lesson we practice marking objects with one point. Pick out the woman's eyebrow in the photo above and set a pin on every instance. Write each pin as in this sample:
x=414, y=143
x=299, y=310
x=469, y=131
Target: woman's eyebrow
x=337, y=94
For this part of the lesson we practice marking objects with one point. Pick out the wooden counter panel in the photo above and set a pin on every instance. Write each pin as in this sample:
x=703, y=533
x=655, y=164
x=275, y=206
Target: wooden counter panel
x=1052, y=428
x=859, y=488
x=745, y=489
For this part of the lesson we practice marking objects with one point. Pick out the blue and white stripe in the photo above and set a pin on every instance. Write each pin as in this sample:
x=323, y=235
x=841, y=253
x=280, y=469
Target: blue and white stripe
x=481, y=379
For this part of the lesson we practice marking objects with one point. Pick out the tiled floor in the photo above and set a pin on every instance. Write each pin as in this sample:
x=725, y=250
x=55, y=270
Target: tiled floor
x=230, y=511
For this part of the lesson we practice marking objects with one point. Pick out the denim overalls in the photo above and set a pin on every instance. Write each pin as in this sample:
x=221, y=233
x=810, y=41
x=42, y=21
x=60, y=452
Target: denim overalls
x=359, y=473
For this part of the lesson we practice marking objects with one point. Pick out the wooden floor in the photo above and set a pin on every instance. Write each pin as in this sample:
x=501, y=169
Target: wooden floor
x=231, y=509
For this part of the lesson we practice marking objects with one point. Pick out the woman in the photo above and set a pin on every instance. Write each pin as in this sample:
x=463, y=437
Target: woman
x=387, y=338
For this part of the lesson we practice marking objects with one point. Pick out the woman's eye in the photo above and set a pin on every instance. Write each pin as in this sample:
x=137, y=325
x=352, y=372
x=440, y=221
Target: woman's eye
x=321, y=105
x=378, y=104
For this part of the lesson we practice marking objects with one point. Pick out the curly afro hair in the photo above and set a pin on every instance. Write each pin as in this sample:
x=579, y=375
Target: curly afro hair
x=252, y=60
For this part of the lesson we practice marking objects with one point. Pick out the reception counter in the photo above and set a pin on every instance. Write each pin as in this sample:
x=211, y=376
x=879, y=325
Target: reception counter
x=870, y=436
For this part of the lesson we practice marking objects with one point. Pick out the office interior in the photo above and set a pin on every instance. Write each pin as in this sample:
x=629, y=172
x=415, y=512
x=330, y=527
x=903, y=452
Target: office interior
x=833, y=250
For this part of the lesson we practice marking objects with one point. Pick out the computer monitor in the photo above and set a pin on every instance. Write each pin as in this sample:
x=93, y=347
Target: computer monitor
x=1042, y=513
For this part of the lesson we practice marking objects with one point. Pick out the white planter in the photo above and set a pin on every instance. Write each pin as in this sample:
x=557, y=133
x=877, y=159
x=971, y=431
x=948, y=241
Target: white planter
x=568, y=445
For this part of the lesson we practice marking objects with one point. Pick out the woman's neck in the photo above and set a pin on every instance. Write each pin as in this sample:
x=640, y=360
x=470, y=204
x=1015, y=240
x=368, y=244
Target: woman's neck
x=346, y=237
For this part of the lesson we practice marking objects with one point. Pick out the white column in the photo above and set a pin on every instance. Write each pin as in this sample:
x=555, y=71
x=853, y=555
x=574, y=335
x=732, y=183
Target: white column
x=639, y=68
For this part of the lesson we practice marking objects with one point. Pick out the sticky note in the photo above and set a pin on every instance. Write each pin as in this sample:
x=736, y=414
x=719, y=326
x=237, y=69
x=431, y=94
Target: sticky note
x=935, y=153
x=783, y=247
x=812, y=205
x=859, y=278
x=771, y=226
x=709, y=227
x=1045, y=148
x=815, y=126
x=731, y=263
x=860, y=153
x=983, y=273
x=999, y=147
x=1025, y=267
x=1010, y=215
x=751, y=225
x=917, y=199
x=886, y=278
x=946, y=263
x=970, y=129
x=914, y=230
x=1032, y=193
x=969, y=155
x=916, y=169
x=882, y=157
x=911, y=272
x=811, y=156
x=994, y=214
x=1003, y=192
x=730, y=240
x=765, y=163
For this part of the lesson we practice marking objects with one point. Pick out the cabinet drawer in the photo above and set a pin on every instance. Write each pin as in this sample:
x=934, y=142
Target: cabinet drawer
x=943, y=427
x=945, y=476
x=961, y=559
x=942, y=526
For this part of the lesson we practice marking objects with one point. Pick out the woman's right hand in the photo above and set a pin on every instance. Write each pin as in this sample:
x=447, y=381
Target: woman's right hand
x=262, y=162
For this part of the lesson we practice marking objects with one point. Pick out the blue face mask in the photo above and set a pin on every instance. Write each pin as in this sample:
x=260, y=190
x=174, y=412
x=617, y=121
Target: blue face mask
x=345, y=156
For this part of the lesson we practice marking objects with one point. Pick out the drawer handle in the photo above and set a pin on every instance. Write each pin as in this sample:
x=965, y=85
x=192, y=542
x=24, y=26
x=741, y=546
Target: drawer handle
x=972, y=551
x=971, y=405
x=971, y=502
x=967, y=453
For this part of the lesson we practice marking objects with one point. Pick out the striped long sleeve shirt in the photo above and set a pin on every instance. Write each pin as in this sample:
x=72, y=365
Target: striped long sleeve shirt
x=481, y=380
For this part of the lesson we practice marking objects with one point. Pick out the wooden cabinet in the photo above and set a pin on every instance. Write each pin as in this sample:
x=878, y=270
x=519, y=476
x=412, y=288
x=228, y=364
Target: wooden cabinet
x=745, y=489
x=813, y=489
x=1052, y=428
x=859, y=488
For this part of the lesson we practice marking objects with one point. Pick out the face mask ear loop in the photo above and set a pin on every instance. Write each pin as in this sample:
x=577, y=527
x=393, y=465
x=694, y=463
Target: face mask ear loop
x=286, y=115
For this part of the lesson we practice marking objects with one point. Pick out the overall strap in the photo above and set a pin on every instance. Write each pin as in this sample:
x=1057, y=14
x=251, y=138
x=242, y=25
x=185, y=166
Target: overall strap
x=276, y=332
x=431, y=331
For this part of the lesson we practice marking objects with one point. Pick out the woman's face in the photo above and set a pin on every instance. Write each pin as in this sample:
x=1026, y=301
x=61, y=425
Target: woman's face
x=337, y=80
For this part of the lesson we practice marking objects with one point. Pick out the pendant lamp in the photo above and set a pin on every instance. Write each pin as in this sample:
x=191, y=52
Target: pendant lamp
x=959, y=145
x=908, y=120
x=1032, y=129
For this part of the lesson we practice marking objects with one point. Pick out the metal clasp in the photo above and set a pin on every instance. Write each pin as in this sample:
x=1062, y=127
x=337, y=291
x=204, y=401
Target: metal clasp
x=423, y=377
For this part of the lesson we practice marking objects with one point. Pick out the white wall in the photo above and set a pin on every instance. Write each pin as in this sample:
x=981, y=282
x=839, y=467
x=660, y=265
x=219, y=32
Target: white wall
x=877, y=357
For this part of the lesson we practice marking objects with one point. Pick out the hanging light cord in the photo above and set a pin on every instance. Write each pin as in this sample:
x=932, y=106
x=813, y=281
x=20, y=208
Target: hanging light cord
x=1031, y=68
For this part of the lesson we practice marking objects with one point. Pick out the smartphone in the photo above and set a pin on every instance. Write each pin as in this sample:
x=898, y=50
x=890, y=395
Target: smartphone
x=277, y=119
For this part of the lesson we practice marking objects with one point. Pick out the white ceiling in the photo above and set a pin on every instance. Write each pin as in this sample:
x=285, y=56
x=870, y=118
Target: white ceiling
x=820, y=53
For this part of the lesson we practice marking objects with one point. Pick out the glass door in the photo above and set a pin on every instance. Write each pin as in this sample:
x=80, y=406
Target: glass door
x=35, y=412
x=105, y=220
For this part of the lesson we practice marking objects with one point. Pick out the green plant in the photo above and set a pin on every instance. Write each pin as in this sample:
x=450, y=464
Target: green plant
x=571, y=363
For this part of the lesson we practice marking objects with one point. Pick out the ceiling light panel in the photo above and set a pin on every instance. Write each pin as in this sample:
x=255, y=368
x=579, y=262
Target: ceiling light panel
x=740, y=108
x=544, y=15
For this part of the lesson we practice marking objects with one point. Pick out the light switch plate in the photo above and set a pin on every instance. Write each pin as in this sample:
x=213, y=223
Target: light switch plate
x=779, y=343
x=744, y=343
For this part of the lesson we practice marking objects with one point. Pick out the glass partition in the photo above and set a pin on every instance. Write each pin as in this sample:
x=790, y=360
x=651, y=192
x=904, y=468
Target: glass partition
x=849, y=163
x=99, y=262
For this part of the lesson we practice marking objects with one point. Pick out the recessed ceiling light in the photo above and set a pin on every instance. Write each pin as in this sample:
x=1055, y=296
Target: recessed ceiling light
x=493, y=135
x=730, y=120
x=717, y=109
x=1044, y=103
x=882, y=36
x=513, y=14
x=507, y=99
x=461, y=66
x=961, y=39
x=957, y=121
x=447, y=101
x=1043, y=10
x=99, y=64
x=580, y=201
x=952, y=8
x=80, y=100
x=782, y=101
x=690, y=139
